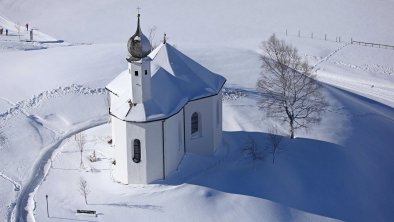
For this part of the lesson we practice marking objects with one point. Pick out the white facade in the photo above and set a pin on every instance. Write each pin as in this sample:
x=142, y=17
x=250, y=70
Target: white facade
x=206, y=140
x=164, y=105
x=164, y=142
x=140, y=81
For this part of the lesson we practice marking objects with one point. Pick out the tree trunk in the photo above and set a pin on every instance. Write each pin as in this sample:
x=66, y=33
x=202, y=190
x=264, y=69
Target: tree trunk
x=81, y=164
x=273, y=158
x=291, y=128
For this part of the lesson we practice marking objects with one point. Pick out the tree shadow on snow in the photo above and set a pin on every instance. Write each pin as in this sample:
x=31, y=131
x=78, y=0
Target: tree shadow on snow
x=309, y=175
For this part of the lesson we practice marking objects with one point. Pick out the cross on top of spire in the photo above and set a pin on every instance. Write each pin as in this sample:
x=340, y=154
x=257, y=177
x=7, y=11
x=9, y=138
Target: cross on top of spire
x=138, y=10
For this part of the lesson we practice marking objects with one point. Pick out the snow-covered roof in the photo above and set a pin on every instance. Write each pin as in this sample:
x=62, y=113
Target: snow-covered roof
x=176, y=80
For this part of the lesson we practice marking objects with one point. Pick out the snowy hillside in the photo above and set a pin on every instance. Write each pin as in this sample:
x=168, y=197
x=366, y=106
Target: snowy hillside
x=50, y=89
x=230, y=22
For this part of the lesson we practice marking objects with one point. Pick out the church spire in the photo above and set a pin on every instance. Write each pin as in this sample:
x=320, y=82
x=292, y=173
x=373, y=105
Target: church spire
x=138, y=23
x=138, y=45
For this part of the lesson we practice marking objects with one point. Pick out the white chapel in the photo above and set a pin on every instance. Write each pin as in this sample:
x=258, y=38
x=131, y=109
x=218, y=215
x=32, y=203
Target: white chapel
x=163, y=106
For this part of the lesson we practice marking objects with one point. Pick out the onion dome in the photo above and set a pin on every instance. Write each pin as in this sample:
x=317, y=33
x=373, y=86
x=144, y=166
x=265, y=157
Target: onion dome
x=138, y=45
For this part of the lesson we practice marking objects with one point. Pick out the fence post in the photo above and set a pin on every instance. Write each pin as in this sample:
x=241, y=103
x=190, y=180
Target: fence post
x=46, y=196
x=325, y=37
x=312, y=35
x=286, y=32
x=339, y=38
x=351, y=40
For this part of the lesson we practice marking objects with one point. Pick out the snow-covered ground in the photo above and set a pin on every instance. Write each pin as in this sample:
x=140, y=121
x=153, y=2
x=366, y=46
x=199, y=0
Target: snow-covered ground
x=341, y=169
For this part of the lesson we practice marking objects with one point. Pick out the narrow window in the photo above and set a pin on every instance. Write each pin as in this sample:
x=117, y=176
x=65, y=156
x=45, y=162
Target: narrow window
x=146, y=72
x=195, y=123
x=136, y=73
x=137, y=151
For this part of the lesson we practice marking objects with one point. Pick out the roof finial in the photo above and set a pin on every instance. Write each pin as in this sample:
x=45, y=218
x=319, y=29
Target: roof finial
x=138, y=24
x=165, y=38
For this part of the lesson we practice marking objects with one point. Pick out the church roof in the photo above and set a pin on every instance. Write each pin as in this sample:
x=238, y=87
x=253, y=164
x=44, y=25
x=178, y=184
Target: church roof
x=176, y=80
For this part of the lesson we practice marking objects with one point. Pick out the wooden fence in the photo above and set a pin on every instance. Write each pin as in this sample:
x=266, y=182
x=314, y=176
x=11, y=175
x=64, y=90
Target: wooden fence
x=339, y=39
x=372, y=44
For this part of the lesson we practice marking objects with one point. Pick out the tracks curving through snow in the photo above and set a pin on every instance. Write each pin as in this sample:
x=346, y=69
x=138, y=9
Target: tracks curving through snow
x=25, y=192
x=36, y=100
x=329, y=56
x=40, y=171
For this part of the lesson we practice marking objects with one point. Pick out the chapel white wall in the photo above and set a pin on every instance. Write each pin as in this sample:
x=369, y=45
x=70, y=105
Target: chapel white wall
x=210, y=137
x=150, y=167
x=173, y=142
x=119, y=141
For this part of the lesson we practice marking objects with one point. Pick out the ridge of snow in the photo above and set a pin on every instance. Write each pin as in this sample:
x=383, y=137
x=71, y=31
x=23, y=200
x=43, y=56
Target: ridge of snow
x=35, y=101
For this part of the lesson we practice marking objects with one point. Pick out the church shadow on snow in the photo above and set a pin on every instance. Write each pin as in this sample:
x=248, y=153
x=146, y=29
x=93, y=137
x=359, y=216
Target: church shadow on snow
x=309, y=175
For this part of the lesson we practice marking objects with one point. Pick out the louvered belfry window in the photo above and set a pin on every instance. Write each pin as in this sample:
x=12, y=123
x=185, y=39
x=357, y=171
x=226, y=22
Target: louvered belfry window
x=137, y=151
x=194, y=123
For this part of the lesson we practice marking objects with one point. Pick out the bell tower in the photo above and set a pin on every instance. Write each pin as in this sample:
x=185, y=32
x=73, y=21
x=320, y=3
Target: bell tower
x=139, y=48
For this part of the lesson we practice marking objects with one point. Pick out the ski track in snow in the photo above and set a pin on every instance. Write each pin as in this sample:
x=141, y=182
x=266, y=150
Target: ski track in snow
x=16, y=211
x=7, y=101
x=22, y=208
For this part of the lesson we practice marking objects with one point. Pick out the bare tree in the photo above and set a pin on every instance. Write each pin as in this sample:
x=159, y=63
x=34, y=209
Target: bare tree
x=81, y=141
x=152, y=34
x=275, y=139
x=18, y=29
x=251, y=151
x=290, y=91
x=84, y=189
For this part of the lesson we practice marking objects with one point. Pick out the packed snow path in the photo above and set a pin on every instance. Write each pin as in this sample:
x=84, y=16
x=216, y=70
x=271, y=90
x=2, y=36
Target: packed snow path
x=23, y=110
x=39, y=170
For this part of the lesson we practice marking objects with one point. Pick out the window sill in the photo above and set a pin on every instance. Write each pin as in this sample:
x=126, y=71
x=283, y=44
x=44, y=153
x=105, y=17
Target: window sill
x=195, y=136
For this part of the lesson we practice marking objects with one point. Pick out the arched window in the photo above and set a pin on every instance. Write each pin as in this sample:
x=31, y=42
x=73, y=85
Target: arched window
x=137, y=151
x=195, y=123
